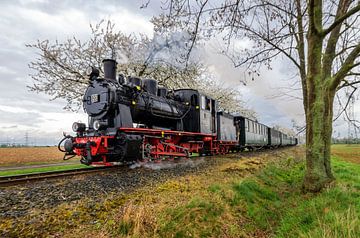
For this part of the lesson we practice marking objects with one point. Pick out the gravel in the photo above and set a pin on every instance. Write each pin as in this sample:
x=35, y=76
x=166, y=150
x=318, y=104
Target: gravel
x=20, y=200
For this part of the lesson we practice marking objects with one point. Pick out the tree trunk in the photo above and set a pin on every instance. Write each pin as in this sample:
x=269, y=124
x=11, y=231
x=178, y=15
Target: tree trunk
x=318, y=140
x=318, y=107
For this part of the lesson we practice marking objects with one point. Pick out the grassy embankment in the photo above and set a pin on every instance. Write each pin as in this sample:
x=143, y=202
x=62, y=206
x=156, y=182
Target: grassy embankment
x=237, y=198
x=231, y=203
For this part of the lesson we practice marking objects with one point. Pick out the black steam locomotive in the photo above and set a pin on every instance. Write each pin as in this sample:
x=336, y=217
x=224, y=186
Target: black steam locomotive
x=135, y=119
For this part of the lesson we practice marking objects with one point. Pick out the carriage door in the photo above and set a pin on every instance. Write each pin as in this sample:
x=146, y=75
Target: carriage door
x=213, y=116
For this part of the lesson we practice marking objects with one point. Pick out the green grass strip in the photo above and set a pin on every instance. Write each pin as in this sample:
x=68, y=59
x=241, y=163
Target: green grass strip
x=43, y=169
x=272, y=201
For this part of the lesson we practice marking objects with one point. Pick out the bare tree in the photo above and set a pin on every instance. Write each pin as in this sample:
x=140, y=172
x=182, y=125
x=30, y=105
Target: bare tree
x=320, y=38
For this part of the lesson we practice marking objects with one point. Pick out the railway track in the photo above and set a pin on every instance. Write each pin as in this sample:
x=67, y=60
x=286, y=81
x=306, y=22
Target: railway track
x=27, y=178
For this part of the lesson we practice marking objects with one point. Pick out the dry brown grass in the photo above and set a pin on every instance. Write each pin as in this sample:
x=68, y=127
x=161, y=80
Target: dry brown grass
x=30, y=155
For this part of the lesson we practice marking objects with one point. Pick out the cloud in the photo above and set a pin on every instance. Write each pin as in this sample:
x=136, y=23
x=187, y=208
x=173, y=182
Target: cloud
x=258, y=93
x=9, y=127
x=27, y=21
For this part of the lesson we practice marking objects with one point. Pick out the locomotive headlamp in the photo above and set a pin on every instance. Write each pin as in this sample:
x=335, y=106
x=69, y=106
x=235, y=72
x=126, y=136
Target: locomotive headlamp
x=78, y=127
x=92, y=71
x=99, y=124
x=89, y=70
x=96, y=125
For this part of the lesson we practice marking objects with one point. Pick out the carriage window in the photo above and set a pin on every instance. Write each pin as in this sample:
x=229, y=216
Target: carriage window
x=203, y=101
x=208, y=104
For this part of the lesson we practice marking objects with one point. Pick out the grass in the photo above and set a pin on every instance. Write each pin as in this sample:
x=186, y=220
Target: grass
x=271, y=204
x=43, y=169
x=257, y=197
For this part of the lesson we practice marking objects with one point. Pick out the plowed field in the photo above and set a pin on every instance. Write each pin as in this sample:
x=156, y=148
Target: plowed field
x=30, y=155
x=349, y=152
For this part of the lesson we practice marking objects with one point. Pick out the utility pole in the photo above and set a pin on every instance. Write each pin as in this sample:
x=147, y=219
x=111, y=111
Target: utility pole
x=26, y=139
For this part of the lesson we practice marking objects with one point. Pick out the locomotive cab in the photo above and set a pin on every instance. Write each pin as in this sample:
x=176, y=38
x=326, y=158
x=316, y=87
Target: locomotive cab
x=202, y=115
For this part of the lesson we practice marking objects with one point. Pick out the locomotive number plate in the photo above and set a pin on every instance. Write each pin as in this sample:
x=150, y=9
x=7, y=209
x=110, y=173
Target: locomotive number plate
x=95, y=98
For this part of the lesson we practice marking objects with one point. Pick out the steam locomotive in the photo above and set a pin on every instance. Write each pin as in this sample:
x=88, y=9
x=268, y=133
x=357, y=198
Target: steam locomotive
x=135, y=119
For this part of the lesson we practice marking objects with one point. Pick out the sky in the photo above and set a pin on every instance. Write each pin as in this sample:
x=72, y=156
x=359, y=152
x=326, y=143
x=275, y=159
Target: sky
x=26, y=21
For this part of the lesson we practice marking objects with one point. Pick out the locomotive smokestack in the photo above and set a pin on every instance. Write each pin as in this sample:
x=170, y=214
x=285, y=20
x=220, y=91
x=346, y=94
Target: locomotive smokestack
x=109, y=69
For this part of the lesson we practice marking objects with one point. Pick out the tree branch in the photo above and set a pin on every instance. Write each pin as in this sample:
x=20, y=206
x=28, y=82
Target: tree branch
x=345, y=68
x=347, y=103
x=301, y=50
x=333, y=39
x=197, y=22
x=340, y=19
